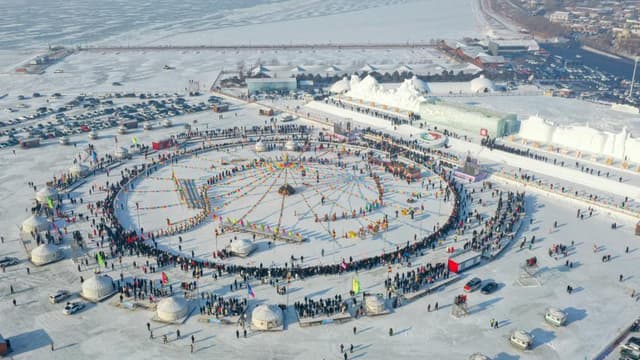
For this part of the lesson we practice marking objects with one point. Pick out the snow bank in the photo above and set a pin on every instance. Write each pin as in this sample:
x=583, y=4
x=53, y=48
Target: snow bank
x=407, y=96
x=582, y=138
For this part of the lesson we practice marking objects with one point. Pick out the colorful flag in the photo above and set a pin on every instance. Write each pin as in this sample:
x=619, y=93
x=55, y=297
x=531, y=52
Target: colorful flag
x=355, y=286
x=100, y=260
x=344, y=265
x=250, y=291
x=50, y=202
x=165, y=279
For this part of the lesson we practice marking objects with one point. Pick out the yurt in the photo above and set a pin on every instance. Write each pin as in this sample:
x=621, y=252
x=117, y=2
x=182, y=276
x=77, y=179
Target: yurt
x=521, y=339
x=122, y=129
x=374, y=305
x=261, y=147
x=121, y=153
x=172, y=309
x=481, y=85
x=35, y=223
x=79, y=170
x=45, y=194
x=242, y=247
x=147, y=125
x=45, y=254
x=291, y=146
x=98, y=288
x=267, y=317
x=479, y=356
x=64, y=140
x=166, y=123
x=93, y=135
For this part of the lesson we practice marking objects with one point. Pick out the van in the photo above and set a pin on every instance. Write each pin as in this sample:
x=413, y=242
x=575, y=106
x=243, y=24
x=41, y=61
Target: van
x=521, y=339
x=555, y=317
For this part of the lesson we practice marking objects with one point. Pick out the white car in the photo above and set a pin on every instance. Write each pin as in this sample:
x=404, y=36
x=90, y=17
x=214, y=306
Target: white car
x=58, y=296
x=73, y=307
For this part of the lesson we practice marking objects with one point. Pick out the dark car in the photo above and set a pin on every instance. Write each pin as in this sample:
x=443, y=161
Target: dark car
x=489, y=287
x=9, y=261
x=472, y=285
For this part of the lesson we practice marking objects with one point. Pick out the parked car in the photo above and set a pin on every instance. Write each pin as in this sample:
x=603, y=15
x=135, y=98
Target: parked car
x=9, y=261
x=489, y=287
x=58, y=296
x=73, y=307
x=473, y=284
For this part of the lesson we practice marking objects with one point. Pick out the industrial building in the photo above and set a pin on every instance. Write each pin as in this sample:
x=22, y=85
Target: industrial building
x=271, y=84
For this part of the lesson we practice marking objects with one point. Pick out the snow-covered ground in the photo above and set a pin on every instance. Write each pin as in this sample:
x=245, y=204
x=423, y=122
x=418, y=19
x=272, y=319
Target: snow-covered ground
x=597, y=309
x=233, y=22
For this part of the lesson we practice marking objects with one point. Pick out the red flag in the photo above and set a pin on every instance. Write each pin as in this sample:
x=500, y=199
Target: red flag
x=165, y=279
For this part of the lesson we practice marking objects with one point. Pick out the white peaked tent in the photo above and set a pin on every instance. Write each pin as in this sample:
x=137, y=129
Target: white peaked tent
x=267, y=317
x=172, y=309
x=242, y=247
x=261, y=147
x=45, y=254
x=368, y=68
x=332, y=69
x=98, y=288
x=79, y=170
x=35, y=223
x=45, y=193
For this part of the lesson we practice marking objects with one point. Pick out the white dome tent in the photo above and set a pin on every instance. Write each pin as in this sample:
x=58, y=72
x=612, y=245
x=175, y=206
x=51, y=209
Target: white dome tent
x=267, y=318
x=45, y=254
x=79, y=170
x=242, y=247
x=291, y=145
x=35, y=223
x=261, y=147
x=481, y=85
x=172, y=309
x=98, y=288
x=45, y=194
x=121, y=153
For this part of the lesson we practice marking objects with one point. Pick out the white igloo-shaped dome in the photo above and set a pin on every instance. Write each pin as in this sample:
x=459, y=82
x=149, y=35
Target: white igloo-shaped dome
x=35, y=223
x=242, y=247
x=481, y=85
x=45, y=193
x=341, y=86
x=121, y=153
x=172, y=308
x=45, y=254
x=267, y=317
x=98, y=288
x=261, y=147
x=79, y=170
x=374, y=304
x=291, y=145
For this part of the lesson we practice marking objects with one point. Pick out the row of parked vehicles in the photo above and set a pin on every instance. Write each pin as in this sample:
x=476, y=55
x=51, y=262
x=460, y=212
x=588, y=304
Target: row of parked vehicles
x=86, y=113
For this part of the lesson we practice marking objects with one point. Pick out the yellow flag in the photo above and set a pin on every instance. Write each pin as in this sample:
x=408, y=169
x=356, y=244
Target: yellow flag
x=356, y=285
